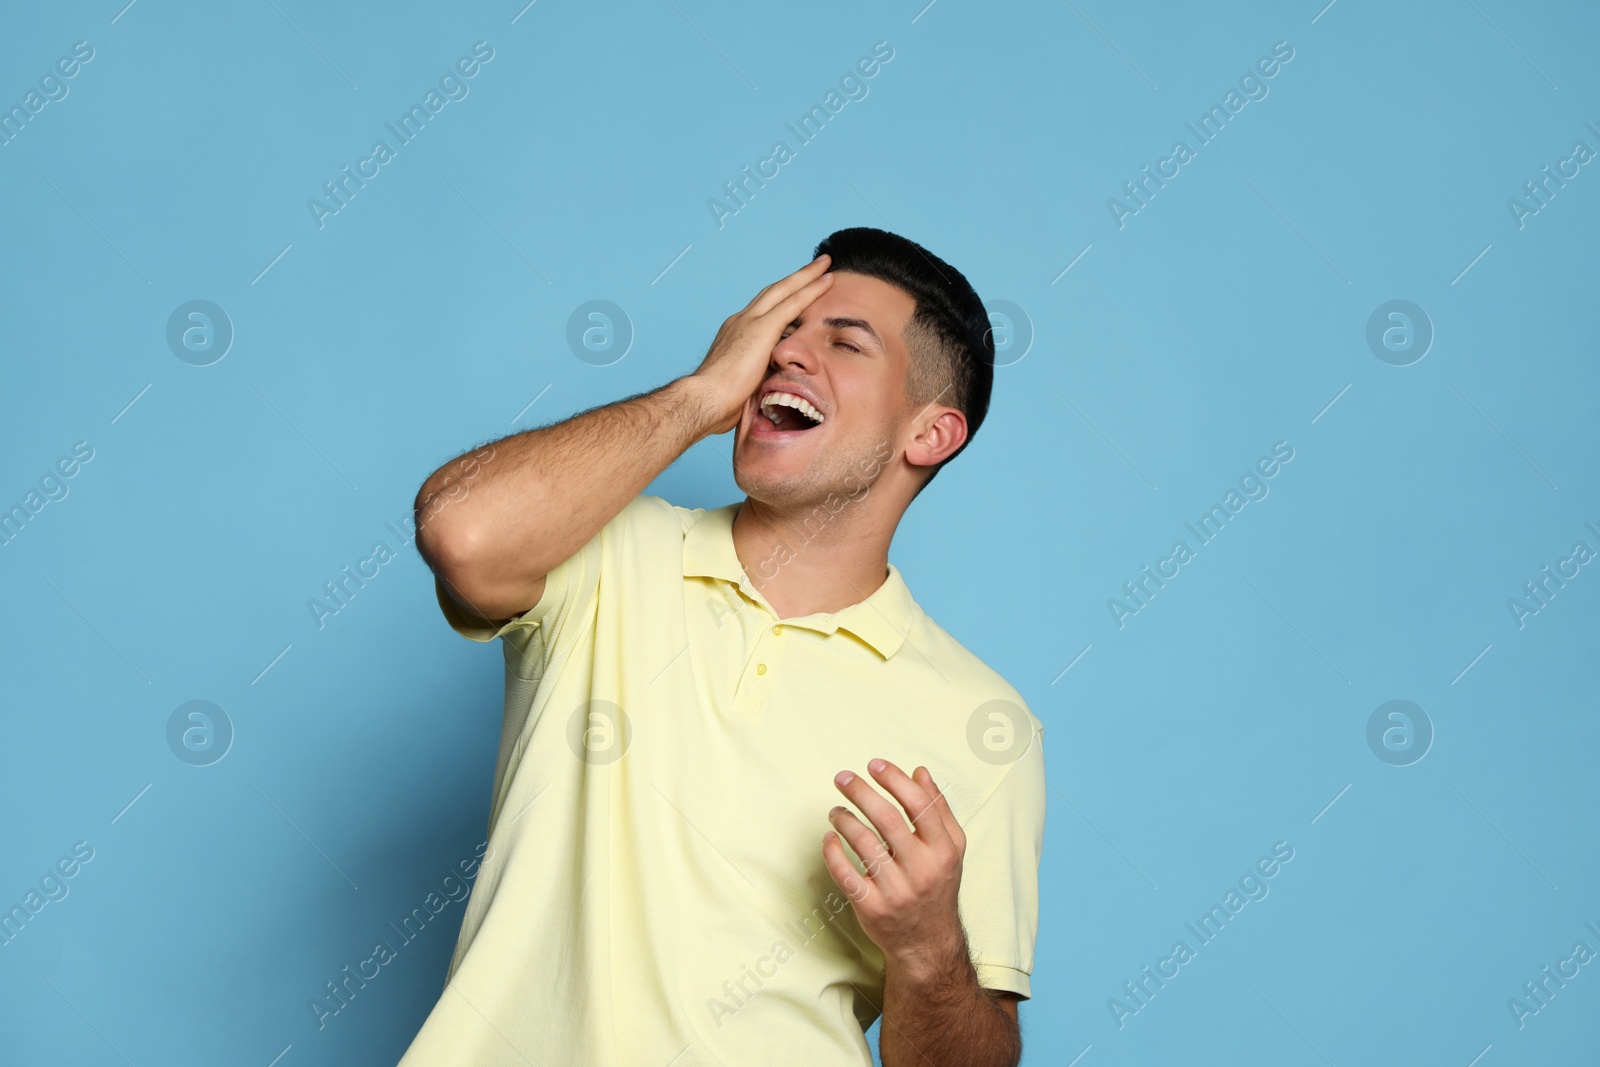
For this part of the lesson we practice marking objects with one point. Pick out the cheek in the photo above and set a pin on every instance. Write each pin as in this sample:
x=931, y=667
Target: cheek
x=873, y=398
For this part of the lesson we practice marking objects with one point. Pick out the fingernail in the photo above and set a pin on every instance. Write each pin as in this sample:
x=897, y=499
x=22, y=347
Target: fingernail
x=844, y=778
x=836, y=809
x=876, y=766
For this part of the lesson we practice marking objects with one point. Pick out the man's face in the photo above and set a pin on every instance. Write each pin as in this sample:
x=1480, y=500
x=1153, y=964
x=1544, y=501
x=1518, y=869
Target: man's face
x=845, y=355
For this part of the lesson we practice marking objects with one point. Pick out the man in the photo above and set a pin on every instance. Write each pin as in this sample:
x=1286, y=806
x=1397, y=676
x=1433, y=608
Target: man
x=689, y=690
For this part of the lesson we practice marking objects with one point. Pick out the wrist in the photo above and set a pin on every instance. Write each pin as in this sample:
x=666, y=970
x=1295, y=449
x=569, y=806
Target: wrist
x=935, y=965
x=696, y=398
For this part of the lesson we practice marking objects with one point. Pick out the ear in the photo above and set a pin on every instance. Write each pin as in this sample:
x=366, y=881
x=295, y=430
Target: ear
x=936, y=434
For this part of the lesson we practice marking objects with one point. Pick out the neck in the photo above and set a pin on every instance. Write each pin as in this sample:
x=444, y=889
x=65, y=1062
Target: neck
x=808, y=561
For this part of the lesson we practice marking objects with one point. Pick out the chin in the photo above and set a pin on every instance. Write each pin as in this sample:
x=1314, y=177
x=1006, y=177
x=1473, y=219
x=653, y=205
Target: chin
x=761, y=483
x=770, y=484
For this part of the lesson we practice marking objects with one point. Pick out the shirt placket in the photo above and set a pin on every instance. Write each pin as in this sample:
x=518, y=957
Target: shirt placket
x=764, y=661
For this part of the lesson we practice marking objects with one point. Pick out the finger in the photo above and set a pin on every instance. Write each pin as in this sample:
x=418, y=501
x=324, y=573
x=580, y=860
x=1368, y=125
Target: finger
x=920, y=803
x=788, y=309
x=891, y=825
x=761, y=293
x=942, y=805
x=844, y=873
x=874, y=855
x=792, y=293
x=787, y=287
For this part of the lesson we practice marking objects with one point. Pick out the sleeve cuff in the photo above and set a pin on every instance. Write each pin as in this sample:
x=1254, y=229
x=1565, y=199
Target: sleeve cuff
x=1009, y=979
x=465, y=622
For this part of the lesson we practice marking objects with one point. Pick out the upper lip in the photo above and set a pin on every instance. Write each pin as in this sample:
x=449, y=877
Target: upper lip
x=795, y=390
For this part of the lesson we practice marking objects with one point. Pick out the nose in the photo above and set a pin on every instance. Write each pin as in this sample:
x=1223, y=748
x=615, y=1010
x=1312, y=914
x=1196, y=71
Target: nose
x=795, y=350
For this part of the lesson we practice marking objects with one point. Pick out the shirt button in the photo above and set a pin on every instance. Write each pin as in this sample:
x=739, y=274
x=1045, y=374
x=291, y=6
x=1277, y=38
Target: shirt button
x=761, y=668
x=778, y=629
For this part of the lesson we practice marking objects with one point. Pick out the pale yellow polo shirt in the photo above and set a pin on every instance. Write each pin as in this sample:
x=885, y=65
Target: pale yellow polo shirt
x=654, y=891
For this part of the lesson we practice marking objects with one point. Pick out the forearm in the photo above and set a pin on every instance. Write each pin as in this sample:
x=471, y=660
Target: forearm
x=542, y=494
x=935, y=1014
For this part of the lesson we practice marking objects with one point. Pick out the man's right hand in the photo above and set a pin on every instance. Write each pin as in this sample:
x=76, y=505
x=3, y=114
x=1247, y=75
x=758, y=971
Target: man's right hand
x=548, y=491
x=740, y=354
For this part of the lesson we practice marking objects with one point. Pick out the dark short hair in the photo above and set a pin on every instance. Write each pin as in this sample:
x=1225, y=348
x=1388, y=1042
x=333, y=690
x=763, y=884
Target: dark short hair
x=949, y=334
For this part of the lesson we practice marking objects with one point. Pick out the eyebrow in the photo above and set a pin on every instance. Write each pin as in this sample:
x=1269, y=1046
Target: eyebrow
x=837, y=323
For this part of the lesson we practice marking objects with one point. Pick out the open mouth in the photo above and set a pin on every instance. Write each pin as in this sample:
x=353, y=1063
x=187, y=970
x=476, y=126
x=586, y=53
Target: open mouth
x=787, y=413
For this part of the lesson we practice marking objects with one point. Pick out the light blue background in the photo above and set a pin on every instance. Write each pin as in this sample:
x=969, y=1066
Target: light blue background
x=427, y=314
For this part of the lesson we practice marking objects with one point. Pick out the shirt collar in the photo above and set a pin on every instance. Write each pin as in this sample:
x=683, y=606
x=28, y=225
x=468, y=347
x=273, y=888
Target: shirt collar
x=882, y=620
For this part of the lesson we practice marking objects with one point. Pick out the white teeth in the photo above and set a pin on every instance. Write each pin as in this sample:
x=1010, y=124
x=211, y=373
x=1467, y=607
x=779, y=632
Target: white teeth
x=789, y=400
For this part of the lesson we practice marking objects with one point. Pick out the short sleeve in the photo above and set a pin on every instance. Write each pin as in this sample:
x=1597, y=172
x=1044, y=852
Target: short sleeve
x=999, y=897
x=569, y=592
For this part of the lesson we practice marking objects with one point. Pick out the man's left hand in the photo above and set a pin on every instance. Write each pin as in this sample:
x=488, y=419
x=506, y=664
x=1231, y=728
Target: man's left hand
x=907, y=900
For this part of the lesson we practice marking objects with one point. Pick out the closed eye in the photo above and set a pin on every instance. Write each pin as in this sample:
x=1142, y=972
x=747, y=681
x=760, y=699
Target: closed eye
x=787, y=330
